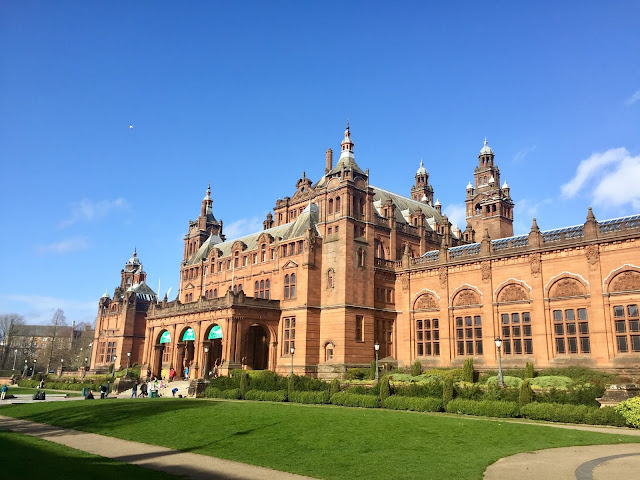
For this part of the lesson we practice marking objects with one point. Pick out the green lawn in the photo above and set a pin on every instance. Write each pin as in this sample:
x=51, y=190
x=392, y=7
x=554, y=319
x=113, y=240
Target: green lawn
x=27, y=457
x=320, y=441
x=31, y=391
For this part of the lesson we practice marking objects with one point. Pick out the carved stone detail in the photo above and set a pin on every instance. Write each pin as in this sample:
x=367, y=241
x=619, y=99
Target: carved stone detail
x=513, y=293
x=593, y=256
x=405, y=283
x=536, y=265
x=567, y=287
x=486, y=271
x=443, y=274
x=426, y=300
x=466, y=297
x=625, y=282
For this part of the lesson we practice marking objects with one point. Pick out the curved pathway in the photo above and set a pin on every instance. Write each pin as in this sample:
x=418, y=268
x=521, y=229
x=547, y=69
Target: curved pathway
x=595, y=462
x=175, y=462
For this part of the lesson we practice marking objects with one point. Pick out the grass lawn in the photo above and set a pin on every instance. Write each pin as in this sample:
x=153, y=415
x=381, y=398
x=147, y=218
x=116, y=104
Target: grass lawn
x=26, y=457
x=319, y=441
x=31, y=391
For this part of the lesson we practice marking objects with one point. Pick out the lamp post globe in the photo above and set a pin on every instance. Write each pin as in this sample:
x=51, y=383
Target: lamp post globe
x=292, y=352
x=206, y=363
x=498, y=341
x=376, y=346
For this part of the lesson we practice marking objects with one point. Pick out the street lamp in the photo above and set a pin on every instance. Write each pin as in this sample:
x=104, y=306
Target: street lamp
x=61, y=365
x=292, y=352
x=15, y=357
x=500, y=377
x=377, y=347
x=113, y=373
x=206, y=362
x=24, y=373
x=34, y=368
x=84, y=372
x=126, y=374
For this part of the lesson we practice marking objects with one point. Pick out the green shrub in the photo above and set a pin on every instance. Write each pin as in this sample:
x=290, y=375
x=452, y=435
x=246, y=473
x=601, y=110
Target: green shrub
x=347, y=399
x=415, y=404
x=335, y=386
x=359, y=390
x=528, y=370
x=467, y=370
x=526, y=393
x=494, y=392
x=291, y=383
x=630, y=411
x=447, y=390
x=266, y=395
x=385, y=389
x=214, y=392
x=244, y=384
x=372, y=370
x=470, y=391
x=357, y=373
x=430, y=388
x=225, y=383
x=416, y=368
x=311, y=397
x=551, y=381
x=509, y=381
x=605, y=416
x=455, y=374
x=556, y=412
x=581, y=375
x=486, y=408
x=575, y=395
x=266, y=380
x=310, y=384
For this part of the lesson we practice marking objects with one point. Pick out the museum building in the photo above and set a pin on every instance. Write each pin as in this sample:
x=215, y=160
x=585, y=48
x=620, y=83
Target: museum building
x=342, y=267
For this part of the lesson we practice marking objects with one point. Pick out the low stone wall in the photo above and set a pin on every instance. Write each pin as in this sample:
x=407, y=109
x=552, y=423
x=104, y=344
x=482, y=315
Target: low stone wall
x=614, y=394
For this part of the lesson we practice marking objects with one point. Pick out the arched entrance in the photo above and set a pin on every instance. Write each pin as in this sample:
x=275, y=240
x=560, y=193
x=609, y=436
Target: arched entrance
x=162, y=353
x=186, y=352
x=257, y=348
x=212, y=348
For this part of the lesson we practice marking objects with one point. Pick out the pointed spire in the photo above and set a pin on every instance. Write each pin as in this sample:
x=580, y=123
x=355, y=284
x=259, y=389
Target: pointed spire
x=534, y=226
x=486, y=149
x=421, y=169
x=590, y=216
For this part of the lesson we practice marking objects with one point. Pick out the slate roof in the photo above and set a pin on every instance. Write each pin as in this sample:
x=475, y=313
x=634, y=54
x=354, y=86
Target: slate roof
x=403, y=204
x=42, y=331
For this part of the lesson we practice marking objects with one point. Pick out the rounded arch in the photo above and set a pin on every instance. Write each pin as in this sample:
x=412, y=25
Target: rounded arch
x=512, y=290
x=163, y=336
x=329, y=350
x=426, y=299
x=465, y=295
x=623, y=279
x=566, y=284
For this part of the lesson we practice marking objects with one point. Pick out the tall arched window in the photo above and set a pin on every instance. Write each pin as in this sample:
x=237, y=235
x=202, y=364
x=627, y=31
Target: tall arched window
x=236, y=259
x=337, y=204
x=331, y=206
x=267, y=283
x=286, y=286
x=256, y=290
x=293, y=285
x=215, y=293
x=263, y=252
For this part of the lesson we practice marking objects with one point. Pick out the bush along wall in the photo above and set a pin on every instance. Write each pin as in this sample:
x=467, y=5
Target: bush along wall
x=415, y=404
x=313, y=397
x=485, y=408
x=566, y=413
x=266, y=395
x=347, y=399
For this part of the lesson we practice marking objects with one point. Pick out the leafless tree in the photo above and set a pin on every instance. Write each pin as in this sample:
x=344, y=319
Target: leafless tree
x=80, y=349
x=56, y=346
x=9, y=322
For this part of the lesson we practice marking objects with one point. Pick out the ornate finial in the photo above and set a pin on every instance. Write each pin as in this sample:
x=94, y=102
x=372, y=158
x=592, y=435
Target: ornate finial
x=485, y=141
x=304, y=174
x=135, y=251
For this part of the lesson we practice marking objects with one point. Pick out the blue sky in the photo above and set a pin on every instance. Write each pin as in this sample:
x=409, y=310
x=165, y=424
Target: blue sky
x=248, y=95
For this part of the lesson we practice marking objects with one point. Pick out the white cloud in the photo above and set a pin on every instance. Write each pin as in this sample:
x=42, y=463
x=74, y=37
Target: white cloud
x=633, y=98
x=38, y=309
x=457, y=214
x=613, y=177
x=525, y=211
x=520, y=156
x=241, y=227
x=64, y=246
x=593, y=167
x=89, y=210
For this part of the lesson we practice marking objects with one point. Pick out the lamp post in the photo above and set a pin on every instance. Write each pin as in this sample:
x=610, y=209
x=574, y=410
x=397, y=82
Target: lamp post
x=376, y=346
x=113, y=373
x=15, y=357
x=84, y=372
x=24, y=372
x=126, y=373
x=292, y=352
x=500, y=377
x=206, y=362
x=61, y=365
x=34, y=368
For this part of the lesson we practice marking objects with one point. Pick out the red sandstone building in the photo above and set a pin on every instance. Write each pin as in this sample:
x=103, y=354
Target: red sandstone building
x=342, y=265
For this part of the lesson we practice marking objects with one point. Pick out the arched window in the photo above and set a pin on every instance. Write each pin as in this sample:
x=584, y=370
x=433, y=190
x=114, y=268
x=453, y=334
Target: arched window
x=256, y=290
x=266, y=288
x=236, y=260
x=215, y=293
x=240, y=287
x=337, y=204
x=286, y=286
x=330, y=278
x=235, y=289
x=293, y=285
x=331, y=206
x=263, y=252
x=328, y=352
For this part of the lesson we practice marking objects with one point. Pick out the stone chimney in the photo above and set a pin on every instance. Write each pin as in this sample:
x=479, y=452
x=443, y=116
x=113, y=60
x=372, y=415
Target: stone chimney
x=329, y=160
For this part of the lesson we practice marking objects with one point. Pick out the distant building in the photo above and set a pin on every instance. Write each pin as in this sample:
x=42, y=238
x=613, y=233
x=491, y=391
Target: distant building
x=43, y=343
x=343, y=265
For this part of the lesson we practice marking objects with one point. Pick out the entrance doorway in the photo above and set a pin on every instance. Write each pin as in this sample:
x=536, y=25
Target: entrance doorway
x=212, y=343
x=257, y=348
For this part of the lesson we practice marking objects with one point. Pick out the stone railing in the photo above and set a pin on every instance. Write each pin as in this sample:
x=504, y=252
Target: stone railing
x=510, y=242
x=382, y=221
x=383, y=263
x=230, y=299
x=616, y=225
x=429, y=257
x=471, y=250
x=562, y=234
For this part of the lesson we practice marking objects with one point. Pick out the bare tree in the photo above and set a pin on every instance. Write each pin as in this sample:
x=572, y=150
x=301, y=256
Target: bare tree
x=58, y=320
x=8, y=324
x=80, y=349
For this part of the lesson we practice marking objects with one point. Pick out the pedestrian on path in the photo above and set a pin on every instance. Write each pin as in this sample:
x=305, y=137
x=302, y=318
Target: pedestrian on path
x=148, y=374
x=4, y=391
x=89, y=396
x=41, y=386
x=186, y=372
x=174, y=391
x=134, y=391
x=172, y=373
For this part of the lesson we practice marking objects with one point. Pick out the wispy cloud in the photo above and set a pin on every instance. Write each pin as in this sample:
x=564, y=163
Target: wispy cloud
x=64, y=246
x=633, y=98
x=87, y=210
x=612, y=177
x=241, y=227
x=457, y=213
x=38, y=309
x=521, y=155
x=525, y=210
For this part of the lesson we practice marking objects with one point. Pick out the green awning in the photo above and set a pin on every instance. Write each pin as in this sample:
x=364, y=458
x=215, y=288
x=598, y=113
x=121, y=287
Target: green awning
x=165, y=338
x=189, y=335
x=215, y=332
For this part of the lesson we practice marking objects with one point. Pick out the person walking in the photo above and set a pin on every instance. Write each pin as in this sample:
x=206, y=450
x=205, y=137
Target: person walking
x=4, y=391
x=107, y=390
x=134, y=391
x=148, y=374
x=186, y=372
x=103, y=389
x=172, y=373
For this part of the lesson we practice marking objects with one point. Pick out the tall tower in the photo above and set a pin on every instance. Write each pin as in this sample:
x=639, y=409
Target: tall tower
x=422, y=191
x=489, y=207
x=132, y=272
x=202, y=228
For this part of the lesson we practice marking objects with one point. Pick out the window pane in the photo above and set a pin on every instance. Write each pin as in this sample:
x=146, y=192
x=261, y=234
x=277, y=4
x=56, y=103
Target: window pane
x=557, y=315
x=436, y=335
x=459, y=333
x=458, y=321
x=477, y=321
x=506, y=346
x=505, y=318
x=427, y=324
x=420, y=349
x=515, y=317
x=506, y=332
x=428, y=349
x=582, y=313
x=559, y=329
x=621, y=326
x=469, y=348
x=526, y=330
x=633, y=310
x=583, y=327
x=571, y=328
x=584, y=345
x=635, y=343
x=478, y=332
x=622, y=343
x=560, y=345
x=618, y=311
x=478, y=348
x=467, y=321
x=516, y=331
x=419, y=324
x=528, y=346
x=460, y=348
x=435, y=323
x=427, y=335
x=468, y=332
x=569, y=315
x=573, y=344
x=419, y=335
x=634, y=325
x=517, y=346
x=436, y=349
x=526, y=317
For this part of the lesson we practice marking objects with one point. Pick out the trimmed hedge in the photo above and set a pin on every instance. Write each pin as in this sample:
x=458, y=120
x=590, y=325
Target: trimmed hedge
x=347, y=399
x=430, y=388
x=575, y=395
x=266, y=395
x=485, y=408
x=229, y=394
x=310, y=397
x=414, y=404
x=551, y=381
x=76, y=387
x=509, y=381
x=357, y=373
x=565, y=413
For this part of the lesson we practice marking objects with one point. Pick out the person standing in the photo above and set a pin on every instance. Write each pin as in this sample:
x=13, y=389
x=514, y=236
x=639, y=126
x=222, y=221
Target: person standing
x=4, y=391
x=172, y=373
x=186, y=372
x=134, y=391
x=148, y=374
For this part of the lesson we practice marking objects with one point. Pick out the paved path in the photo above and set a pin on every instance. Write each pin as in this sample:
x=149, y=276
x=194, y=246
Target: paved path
x=596, y=462
x=175, y=462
